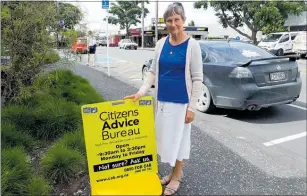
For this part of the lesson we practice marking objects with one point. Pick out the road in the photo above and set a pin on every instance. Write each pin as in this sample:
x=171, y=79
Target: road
x=230, y=152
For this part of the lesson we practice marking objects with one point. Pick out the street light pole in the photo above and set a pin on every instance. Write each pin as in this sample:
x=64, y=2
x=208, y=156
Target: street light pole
x=57, y=27
x=142, y=23
x=156, y=24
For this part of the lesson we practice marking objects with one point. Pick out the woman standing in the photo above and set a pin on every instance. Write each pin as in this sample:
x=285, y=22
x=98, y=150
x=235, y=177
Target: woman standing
x=177, y=73
x=92, y=45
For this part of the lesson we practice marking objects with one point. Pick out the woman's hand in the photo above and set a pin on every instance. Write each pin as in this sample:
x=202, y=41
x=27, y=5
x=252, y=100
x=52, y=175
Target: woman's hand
x=189, y=117
x=135, y=97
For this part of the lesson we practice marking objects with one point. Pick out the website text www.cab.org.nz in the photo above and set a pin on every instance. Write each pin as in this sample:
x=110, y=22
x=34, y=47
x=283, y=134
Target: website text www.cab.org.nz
x=113, y=177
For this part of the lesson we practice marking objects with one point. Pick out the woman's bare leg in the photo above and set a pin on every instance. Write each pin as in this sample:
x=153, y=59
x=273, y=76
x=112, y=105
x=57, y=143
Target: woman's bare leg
x=176, y=177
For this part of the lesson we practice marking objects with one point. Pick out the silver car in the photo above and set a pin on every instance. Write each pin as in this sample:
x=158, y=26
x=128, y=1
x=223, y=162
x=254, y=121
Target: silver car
x=127, y=44
x=239, y=75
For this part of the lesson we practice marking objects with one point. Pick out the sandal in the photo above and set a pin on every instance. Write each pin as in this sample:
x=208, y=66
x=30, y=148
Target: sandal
x=166, y=179
x=172, y=191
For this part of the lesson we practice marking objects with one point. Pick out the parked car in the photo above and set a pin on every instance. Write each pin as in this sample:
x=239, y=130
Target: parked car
x=80, y=46
x=127, y=44
x=278, y=43
x=300, y=44
x=102, y=41
x=242, y=76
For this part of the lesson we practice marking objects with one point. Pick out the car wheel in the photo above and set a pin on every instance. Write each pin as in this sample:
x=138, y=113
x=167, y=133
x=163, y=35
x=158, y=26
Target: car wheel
x=135, y=48
x=280, y=52
x=205, y=102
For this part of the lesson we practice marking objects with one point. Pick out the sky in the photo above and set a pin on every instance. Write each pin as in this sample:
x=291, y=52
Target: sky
x=94, y=15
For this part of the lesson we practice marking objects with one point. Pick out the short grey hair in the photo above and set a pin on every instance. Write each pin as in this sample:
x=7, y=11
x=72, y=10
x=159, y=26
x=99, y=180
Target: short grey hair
x=172, y=9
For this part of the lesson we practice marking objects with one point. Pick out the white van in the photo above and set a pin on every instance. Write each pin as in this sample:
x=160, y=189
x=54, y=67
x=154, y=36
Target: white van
x=300, y=44
x=278, y=43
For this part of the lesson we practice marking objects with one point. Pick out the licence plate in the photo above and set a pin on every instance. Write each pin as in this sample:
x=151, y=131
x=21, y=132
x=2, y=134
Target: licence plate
x=277, y=76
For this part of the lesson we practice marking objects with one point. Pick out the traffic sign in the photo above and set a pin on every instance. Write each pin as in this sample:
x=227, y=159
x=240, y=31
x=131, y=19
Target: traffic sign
x=61, y=22
x=105, y=4
x=237, y=38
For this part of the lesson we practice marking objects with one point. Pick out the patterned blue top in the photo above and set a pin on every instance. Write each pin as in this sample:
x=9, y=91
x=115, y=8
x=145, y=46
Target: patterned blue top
x=172, y=62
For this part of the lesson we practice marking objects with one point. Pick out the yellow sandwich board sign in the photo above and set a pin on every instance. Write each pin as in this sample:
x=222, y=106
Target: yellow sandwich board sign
x=121, y=148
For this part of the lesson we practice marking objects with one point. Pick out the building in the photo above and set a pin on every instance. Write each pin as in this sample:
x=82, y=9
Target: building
x=135, y=34
x=297, y=23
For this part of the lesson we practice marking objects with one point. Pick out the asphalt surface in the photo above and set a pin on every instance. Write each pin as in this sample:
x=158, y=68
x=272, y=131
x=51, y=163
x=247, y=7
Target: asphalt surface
x=228, y=155
x=267, y=125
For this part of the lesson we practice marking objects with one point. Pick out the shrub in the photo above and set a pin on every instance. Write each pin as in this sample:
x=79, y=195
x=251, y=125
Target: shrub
x=33, y=97
x=61, y=165
x=10, y=137
x=51, y=57
x=38, y=186
x=47, y=120
x=19, y=115
x=15, y=171
x=73, y=141
x=64, y=83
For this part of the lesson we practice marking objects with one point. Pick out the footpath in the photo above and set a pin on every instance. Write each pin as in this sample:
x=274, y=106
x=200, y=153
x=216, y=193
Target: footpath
x=213, y=168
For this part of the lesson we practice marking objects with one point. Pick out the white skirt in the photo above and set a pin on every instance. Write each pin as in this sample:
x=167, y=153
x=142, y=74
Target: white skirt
x=172, y=133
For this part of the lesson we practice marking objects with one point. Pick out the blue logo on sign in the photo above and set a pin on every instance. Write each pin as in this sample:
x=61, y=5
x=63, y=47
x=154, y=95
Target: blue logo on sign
x=145, y=102
x=86, y=110
x=94, y=110
x=89, y=110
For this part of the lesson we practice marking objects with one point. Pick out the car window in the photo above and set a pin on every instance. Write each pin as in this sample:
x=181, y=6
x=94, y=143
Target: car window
x=285, y=38
x=293, y=36
x=82, y=41
x=272, y=37
x=222, y=52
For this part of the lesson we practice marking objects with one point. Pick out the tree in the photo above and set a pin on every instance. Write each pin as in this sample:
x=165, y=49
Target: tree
x=126, y=14
x=26, y=29
x=70, y=14
x=266, y=16
x=191, y=24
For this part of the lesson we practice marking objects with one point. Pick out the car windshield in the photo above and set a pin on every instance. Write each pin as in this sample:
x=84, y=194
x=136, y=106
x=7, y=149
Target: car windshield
x=272, y=37
x=82, y=41
x=231, y=52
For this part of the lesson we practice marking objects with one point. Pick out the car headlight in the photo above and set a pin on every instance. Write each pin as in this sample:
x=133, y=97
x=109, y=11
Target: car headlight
x=241, y=72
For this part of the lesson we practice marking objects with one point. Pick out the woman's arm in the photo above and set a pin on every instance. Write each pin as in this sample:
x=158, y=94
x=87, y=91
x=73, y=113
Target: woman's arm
x=196, y=68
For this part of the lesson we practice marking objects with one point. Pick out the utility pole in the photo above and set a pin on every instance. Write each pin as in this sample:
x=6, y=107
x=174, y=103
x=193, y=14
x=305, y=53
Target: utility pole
x=142, y=23
x=57, y=28
x=156, y=24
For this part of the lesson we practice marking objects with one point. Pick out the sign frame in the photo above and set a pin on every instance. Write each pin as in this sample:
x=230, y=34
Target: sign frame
x=128, y=163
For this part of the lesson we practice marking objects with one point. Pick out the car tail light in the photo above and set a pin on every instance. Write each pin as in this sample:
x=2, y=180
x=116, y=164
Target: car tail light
x=241, y=72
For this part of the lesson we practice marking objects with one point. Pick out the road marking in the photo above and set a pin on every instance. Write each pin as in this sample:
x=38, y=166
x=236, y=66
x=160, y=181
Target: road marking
x=138, y=79
x=296, y=106
x=285, y=139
